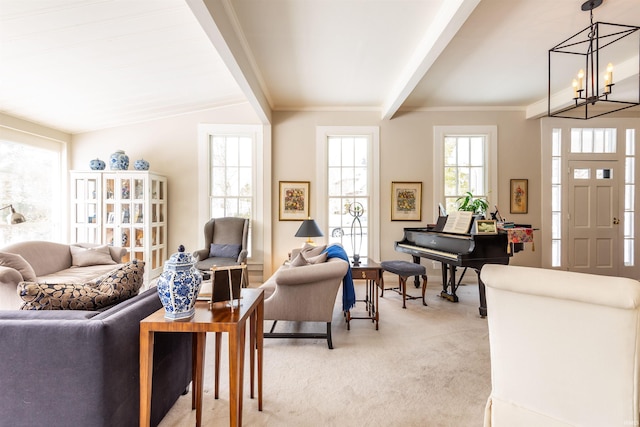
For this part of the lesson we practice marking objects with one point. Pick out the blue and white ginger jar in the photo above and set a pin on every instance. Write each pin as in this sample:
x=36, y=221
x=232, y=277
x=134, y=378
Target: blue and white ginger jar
x=119, y=161
x=179, y=285
x=141, y=165
x=97, y=165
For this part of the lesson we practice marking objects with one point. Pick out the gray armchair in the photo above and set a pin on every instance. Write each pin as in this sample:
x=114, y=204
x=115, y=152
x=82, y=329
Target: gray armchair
x=225, y=243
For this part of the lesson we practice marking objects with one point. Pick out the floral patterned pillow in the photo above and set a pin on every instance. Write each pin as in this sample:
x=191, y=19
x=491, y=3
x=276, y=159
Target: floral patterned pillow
x=110, y=288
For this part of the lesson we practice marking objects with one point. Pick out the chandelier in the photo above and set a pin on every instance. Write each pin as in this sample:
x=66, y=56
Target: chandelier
x=593, y=53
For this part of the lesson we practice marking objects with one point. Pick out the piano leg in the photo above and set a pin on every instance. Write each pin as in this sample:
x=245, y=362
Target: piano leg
x=416, y=279
x=483, y=298
x=449, y=282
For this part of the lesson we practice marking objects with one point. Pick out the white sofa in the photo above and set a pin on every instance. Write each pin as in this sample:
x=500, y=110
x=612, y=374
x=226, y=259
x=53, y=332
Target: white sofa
x=49, y=262
x=564, y=348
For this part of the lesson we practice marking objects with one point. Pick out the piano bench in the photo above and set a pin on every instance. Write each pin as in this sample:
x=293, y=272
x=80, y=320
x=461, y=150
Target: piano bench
x=404, y=270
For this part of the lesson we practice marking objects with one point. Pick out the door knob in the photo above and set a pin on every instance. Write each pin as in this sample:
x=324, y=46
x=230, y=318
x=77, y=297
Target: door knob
x=616, y=221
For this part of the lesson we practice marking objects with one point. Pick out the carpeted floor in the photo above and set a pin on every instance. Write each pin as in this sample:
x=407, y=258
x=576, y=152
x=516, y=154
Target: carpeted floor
x=425, y=366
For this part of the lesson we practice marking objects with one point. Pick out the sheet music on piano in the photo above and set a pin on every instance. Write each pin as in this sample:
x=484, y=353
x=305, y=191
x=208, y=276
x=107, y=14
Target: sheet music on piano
x=458, y=222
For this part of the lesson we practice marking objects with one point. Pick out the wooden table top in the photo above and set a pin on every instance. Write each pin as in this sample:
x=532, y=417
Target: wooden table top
x=220, y=314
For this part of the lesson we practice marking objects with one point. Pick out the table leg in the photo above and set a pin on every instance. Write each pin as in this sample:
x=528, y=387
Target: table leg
x=146, y=375
x=216, y=368
x=236, y=364
x=252, y=348
x=377, y=308
x=259, y=345
x=194, y=377
x=201, y=341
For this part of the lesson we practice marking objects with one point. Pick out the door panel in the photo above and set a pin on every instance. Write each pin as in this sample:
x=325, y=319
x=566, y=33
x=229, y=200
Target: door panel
x=594, y=242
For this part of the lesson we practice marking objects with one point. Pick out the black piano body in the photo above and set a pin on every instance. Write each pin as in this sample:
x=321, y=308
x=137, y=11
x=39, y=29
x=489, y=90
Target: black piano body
x=456, y=250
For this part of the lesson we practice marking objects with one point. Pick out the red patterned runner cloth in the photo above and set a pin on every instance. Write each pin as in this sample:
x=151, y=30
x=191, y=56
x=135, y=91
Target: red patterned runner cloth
x=519, y=235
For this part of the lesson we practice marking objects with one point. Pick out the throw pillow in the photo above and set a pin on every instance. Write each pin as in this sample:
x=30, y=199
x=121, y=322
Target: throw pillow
x=311, y=250
x=17, y=262
x=110, y=288
x=83, y=257
x=298, y=261
x=224, y=251
x=318, y=259
x=302, y=259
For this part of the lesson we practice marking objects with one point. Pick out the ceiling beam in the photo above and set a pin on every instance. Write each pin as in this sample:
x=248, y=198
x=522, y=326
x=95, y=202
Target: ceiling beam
x=448, y=21
x=216, y=18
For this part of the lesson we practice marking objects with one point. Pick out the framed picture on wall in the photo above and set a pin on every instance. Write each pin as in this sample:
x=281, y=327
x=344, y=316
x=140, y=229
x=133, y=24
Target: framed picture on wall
x=519, y=196
x=406, y=201
x=294, y=200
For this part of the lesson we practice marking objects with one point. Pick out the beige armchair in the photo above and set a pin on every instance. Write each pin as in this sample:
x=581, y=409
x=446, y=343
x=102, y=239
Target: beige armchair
x=225, y=243
x=305, y=294
x=564, y=348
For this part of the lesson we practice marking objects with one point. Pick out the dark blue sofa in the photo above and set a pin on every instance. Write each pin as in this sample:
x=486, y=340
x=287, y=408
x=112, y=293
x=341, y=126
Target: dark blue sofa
x=81, y=368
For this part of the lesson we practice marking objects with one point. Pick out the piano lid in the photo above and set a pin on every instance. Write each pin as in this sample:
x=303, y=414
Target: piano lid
x=448, y=242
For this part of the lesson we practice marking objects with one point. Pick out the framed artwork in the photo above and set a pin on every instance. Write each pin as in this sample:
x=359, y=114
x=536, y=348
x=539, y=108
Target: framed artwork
x=486, y=226
x=294, y=200
x=519, y=196
x=406, y=201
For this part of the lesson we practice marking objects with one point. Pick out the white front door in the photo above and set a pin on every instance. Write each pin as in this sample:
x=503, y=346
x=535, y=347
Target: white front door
x=594, y=243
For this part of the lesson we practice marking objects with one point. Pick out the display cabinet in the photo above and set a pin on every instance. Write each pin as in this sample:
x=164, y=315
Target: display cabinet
x=122, y=208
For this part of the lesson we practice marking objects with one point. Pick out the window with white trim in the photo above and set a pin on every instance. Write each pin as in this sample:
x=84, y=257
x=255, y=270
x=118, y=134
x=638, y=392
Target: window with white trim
x=464, y=161
x=31, y=180
x=229, y=166
x=348, y=176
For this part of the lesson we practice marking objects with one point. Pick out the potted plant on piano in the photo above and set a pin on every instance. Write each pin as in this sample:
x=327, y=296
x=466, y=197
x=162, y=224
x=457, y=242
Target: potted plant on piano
x=469, y=203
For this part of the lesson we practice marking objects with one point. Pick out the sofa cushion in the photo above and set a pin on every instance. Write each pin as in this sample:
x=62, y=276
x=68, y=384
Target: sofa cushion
x=110, y=288
x=17, y=262
x=82, y=257
x=224, y=251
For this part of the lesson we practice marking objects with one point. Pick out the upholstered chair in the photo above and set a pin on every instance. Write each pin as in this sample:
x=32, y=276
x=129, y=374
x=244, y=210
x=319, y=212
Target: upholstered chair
x=564, y=348
x=225, y=243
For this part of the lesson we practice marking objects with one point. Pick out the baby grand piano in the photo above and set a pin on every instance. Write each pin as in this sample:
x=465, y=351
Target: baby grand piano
x=456, y=250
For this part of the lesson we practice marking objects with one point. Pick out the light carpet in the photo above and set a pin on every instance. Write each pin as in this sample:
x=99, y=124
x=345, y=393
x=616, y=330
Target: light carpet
x=425, y=366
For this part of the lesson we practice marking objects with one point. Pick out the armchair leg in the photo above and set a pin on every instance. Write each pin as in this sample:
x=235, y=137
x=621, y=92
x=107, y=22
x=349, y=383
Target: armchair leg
x=312, y=335
x=273, y=326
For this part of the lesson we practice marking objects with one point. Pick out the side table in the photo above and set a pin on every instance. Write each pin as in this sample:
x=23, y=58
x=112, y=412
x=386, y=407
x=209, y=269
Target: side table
x=220, y=318
x=371, y=272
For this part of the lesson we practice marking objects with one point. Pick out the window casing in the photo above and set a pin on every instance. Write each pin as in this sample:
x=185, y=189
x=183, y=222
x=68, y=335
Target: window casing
x=465, y=159
x=348, y=173
x=230, y=176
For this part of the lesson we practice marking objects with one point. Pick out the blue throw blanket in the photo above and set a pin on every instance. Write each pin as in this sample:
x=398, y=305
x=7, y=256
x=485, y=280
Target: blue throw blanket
x=348, y=291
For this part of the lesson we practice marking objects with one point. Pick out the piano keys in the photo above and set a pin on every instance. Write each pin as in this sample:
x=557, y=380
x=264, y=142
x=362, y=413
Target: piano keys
x=453, y=251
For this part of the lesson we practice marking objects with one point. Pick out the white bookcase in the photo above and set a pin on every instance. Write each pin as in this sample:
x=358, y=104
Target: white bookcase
x=122, y=208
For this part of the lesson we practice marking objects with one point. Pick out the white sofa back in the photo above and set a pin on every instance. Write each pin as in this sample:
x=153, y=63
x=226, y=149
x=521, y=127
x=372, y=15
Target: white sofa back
x=564, y=348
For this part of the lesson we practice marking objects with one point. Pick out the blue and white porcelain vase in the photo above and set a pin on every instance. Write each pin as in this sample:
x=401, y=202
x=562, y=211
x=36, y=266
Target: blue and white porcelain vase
x=141, y=165
x=119, y=161
x=179, y=285
x=97, y=165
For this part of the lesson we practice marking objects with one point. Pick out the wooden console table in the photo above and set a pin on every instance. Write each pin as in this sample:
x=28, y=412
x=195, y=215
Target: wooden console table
x=219, y=319
x=371, y=272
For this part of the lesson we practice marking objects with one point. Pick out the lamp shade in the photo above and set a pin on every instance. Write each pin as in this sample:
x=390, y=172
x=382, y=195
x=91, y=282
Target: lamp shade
x=309, y=229
x=14, y=217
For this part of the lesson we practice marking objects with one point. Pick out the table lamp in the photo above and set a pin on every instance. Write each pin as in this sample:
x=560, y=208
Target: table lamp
x=309, y=229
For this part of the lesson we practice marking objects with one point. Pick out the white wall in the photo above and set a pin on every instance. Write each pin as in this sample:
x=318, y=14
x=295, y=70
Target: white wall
x=171, y=147
x=406, y=145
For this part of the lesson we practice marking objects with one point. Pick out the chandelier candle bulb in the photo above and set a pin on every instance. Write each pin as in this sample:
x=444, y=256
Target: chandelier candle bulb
x=609, y=77
x=575, y=88
x=580, y=79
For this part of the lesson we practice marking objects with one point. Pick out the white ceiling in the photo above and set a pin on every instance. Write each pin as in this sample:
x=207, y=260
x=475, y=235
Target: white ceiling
x=82, y=65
